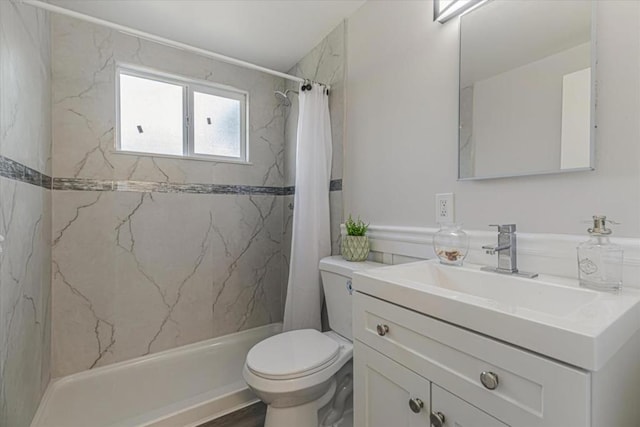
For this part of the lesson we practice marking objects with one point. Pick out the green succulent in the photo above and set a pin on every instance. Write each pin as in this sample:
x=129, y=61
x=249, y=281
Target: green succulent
x=355, y=227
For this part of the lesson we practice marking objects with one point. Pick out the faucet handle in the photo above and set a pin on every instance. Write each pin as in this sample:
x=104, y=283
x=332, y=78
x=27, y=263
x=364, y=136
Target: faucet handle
x=504, y=228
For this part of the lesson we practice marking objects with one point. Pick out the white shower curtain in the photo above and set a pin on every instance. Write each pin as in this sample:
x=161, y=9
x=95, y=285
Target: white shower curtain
x=311, y=239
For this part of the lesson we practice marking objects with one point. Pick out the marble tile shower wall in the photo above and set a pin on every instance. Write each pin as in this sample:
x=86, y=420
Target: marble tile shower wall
x=25, y=211
x=325, y=63
x=150, y=266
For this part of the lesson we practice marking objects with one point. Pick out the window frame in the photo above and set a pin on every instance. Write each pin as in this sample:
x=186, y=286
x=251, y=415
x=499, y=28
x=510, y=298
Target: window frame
x=189, y=86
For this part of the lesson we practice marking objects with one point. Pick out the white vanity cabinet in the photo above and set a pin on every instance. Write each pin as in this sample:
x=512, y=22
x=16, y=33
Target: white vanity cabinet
x=388, y=394
x=400, y=355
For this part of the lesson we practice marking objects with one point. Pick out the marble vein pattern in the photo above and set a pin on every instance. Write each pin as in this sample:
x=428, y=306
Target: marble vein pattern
x=26, y=81
x=325, y=63
x=25, y=223
x=122, y=289
x=25, y=211
x=84, y=63
x=151, y=253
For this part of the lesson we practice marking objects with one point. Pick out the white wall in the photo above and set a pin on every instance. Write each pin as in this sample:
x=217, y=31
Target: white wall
x=402, y=117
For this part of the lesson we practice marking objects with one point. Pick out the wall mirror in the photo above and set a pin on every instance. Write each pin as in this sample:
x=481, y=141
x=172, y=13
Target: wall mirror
x=527, y=88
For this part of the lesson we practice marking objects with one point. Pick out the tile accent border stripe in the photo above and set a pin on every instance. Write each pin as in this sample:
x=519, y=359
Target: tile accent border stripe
x=334, y=185
x=83, y=184
x=18, y=172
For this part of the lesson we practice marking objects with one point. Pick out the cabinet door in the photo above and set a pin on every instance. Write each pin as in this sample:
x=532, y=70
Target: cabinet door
x=387, y=394
x=457, y=412
x=534, y=391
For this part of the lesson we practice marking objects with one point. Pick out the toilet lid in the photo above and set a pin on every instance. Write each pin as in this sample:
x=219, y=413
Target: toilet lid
x=292, y=354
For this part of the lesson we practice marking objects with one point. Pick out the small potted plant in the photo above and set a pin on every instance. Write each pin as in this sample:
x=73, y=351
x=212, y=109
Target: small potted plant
x=355, y=245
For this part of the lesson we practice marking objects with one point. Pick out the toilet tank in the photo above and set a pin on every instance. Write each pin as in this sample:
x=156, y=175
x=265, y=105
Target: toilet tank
x=336, y=275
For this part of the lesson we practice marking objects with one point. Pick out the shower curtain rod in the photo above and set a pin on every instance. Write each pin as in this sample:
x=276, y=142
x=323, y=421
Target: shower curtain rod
x=168, y=42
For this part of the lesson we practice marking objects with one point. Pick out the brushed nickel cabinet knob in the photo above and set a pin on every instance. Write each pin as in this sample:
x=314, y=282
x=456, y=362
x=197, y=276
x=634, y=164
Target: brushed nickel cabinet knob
x=382, y=329
x=416, y=405
x=489, y=380
x=437, y=419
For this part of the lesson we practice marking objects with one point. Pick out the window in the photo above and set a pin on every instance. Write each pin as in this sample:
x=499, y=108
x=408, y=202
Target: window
x=168, y=115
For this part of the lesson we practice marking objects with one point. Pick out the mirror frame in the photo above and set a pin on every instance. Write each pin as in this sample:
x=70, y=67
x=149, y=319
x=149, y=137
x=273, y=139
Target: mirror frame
x=594, y=104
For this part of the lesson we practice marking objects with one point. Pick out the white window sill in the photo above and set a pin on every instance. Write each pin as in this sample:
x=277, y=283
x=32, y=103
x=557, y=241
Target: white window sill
x=211, y=159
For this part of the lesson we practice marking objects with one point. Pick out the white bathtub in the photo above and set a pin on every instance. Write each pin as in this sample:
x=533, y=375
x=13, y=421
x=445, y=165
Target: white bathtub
x=185, y=386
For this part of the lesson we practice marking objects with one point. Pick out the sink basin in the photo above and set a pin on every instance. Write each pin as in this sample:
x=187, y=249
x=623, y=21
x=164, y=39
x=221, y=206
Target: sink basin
x=508, y=293
x=549, y=315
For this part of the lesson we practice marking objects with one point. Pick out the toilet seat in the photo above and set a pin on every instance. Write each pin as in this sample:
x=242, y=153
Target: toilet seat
x=292, y=354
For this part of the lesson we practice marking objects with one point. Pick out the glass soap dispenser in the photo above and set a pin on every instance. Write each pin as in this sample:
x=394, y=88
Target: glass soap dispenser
x=599, y=260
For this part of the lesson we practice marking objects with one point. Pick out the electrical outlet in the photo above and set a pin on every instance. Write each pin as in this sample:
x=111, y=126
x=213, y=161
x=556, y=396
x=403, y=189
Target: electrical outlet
x=445, y=208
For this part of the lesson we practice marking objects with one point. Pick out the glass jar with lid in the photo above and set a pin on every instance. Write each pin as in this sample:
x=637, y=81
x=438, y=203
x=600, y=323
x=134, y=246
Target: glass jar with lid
x=451, y=244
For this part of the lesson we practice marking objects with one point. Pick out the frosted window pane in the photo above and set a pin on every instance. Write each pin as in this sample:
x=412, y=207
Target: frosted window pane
x=155, y=108
x=216, y=125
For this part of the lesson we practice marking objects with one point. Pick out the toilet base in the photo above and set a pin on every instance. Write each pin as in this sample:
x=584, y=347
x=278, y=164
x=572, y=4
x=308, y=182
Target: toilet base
x=300, y=416
x=305, y=415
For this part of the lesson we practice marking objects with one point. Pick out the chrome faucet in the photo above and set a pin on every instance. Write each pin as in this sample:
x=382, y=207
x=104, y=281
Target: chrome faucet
x=507, y=252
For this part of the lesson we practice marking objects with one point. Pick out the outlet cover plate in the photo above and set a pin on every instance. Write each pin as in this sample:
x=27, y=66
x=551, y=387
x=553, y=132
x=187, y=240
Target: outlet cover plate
x=445, y=208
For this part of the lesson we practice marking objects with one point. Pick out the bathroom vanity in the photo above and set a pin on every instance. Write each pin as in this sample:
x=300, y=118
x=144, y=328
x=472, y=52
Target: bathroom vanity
x=457, y=346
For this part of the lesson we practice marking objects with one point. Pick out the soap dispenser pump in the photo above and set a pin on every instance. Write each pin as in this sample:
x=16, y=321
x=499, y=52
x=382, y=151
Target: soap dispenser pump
x=599, y=260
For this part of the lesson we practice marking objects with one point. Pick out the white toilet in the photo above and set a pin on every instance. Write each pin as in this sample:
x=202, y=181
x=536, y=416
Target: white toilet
x=297, y=373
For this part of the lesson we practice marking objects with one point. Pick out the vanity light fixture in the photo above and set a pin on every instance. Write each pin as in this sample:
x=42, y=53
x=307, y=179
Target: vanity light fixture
x=444, y=10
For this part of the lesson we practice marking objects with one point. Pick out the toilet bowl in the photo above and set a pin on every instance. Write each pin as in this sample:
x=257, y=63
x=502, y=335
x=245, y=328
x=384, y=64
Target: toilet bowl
x=294, y=372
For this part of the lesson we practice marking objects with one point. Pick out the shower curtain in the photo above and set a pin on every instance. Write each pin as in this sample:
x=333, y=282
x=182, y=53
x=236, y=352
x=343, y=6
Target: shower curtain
x=311, y=239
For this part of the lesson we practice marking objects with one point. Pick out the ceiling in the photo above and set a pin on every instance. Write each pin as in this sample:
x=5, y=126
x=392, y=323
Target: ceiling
x=271, y=33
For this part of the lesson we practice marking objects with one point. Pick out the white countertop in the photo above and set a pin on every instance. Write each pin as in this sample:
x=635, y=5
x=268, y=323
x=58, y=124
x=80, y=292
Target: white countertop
x=548, y=315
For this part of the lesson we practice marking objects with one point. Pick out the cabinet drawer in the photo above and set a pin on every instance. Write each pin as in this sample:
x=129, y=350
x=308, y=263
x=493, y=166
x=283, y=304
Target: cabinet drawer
x=531, y=390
